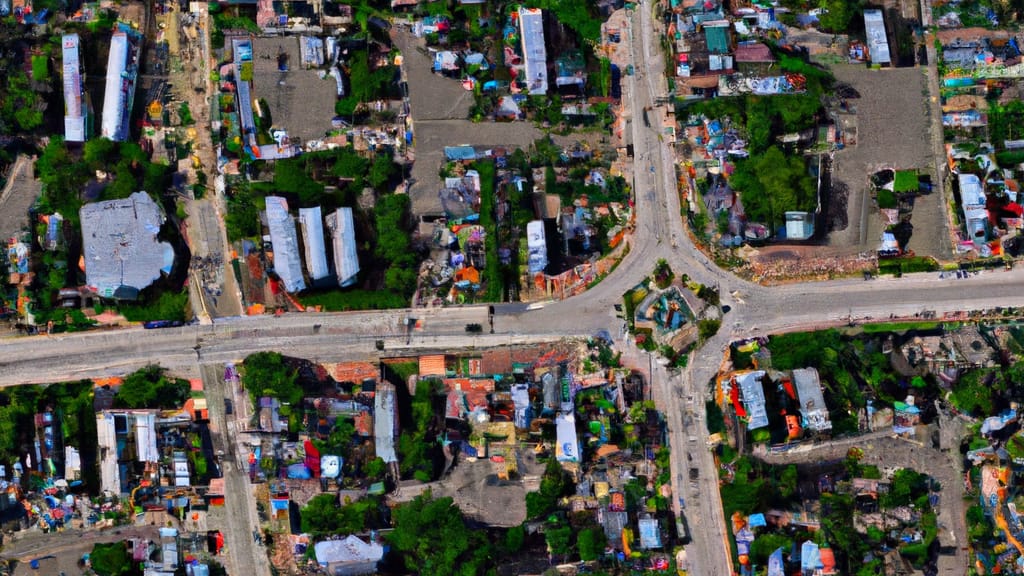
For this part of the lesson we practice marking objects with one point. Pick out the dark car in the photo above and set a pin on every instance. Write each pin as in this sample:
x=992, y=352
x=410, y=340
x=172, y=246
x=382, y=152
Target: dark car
x=229, y=406
x=474, y=328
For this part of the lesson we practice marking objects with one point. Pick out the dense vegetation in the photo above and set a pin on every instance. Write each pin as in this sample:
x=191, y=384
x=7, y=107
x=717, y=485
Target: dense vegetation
x=415, y=445
x=322, y=516
x=433, y=540
x=772, y=184
x=150, y=387
x=73, y=405
x=267, y=374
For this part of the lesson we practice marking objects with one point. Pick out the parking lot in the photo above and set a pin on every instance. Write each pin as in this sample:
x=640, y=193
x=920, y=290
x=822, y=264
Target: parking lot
x=893, y=130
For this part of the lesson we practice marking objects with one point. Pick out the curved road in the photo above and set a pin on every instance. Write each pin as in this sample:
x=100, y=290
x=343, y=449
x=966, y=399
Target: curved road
x=659, y=234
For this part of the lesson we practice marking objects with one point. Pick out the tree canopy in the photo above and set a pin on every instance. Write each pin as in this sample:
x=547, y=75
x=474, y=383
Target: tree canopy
x=433, y=540
x=149, y=387
x=772, y=184
x=267, y=374
x=553, y=485
x=111, y=559
x=322, y=516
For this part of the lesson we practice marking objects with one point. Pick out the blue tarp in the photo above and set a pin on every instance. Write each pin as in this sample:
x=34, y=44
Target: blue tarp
x=756, y=520
x=299, y=471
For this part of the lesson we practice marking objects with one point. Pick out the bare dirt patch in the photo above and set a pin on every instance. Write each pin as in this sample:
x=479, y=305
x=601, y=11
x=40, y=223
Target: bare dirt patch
x=893, y=130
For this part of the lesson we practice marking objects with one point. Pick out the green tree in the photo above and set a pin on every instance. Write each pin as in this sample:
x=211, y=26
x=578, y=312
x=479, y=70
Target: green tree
x=907, y=486
x=375, y=469
x=837, y=523
x=110, y=559
x=266, y=374
x=590, y=542
x=149, y=387
x=708, y=327
x=381, y=172
x=514, y=539
x=243, y=217
x=433, y=540
x=558, y=539
x=766, y=544
x=553, y=485
x=772, y=184
x=836, y=15
x=788, y=481
x=323, y=516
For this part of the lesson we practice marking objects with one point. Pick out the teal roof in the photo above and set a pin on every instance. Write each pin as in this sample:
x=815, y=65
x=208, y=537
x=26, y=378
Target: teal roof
x=717, y=38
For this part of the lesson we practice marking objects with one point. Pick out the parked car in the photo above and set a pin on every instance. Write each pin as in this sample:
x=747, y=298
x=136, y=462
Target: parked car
x=229, y=406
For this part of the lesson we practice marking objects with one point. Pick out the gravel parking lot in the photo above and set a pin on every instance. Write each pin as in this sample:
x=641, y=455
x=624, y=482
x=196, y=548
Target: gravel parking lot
x=300, y=101
x=893, y=129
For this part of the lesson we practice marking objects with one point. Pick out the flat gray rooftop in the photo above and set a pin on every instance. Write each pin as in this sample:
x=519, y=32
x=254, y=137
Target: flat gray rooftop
x=120, y=245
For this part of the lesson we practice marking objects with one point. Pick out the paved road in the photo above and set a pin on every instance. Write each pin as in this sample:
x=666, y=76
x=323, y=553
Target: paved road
x=659, y=234
x=238, y=516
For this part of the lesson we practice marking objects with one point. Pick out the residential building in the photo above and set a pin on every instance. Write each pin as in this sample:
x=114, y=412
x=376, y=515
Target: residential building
x=536, y=245
x=313, y=242
x=878, y=44
x=127, y=447
x=972, y=200
x=350, y=556
x=799, y=225
x=122, y=67
x=812, y=402
x=343, y=239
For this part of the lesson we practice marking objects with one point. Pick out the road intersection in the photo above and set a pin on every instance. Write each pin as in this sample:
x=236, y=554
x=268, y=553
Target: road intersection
x=659, y=233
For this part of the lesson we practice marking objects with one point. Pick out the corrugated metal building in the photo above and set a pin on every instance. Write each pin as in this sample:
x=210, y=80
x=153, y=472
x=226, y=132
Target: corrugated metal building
x=287, y=263
x=75, y=113
x=121, y=252
x=313, y=241
x=812, y=401
x=878, y=44
x=535, y=55
x=343, y=237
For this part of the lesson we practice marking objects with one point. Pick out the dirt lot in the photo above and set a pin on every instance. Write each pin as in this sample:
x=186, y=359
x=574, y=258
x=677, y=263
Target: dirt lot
x=440, y=108
x=17, y=197
x=478, y=491
x=893, y=129
x=300, y=101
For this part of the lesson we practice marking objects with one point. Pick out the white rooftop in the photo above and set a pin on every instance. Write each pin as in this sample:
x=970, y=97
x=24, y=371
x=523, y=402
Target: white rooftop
x=120, y=244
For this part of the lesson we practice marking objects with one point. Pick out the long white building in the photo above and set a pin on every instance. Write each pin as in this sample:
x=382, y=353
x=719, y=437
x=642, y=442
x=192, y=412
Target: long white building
x=343, y=237
x=76, y=114
x=313, y=242
x=120, y=87
x=287, y=262
x=535, y=54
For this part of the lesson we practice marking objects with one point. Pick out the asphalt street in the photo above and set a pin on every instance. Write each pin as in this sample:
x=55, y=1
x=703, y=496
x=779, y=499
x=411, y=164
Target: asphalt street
x=659, y=234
